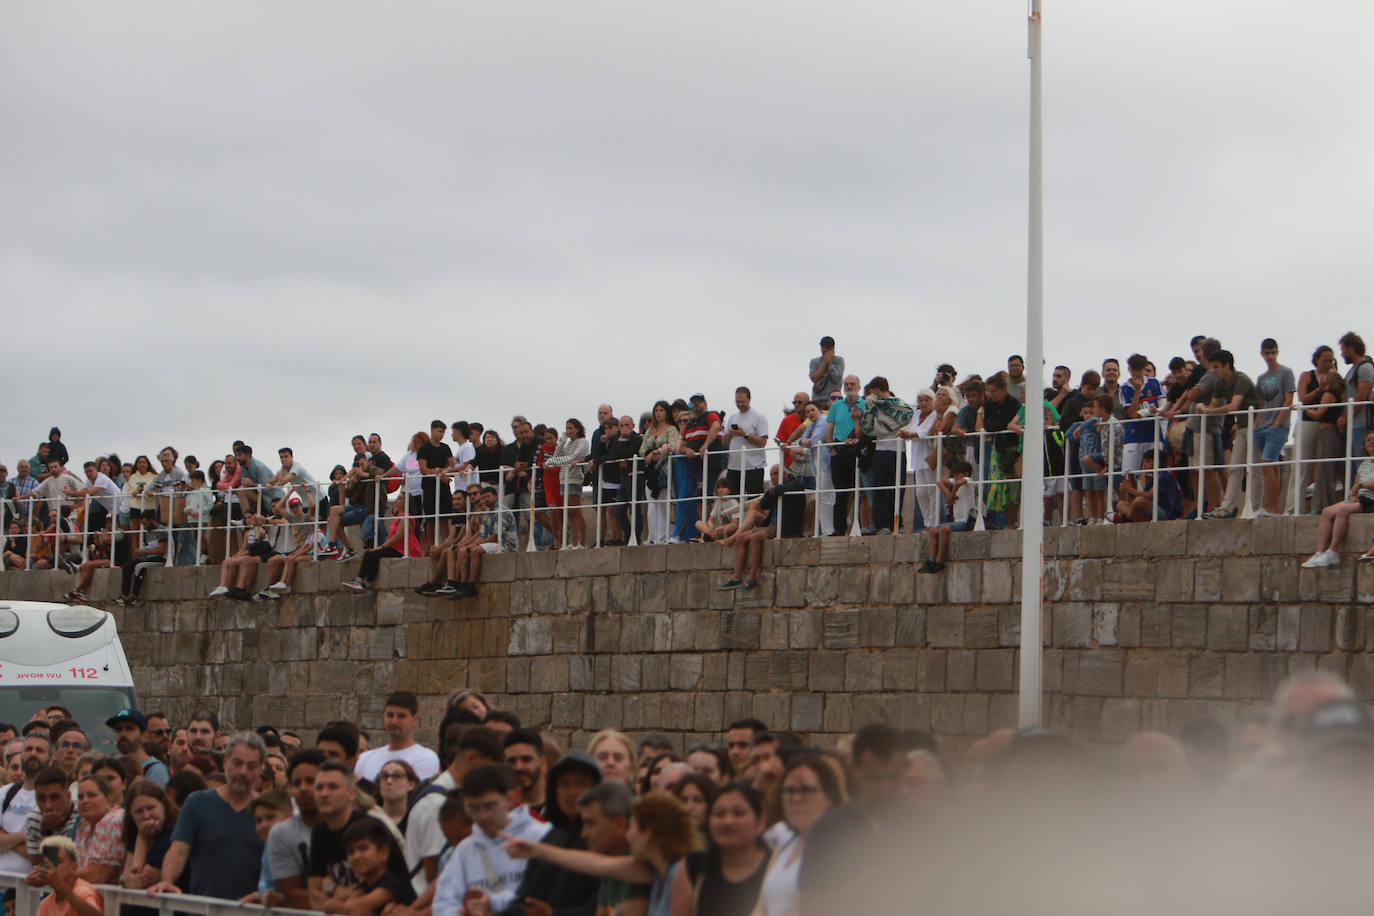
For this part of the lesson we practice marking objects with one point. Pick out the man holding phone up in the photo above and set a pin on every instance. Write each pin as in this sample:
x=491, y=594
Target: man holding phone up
x=746, y=434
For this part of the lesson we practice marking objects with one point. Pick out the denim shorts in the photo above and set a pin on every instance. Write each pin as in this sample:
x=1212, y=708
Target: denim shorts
x=1269, y=441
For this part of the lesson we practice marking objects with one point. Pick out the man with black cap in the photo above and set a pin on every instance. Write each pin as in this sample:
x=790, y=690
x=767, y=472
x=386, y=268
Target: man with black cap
x=131, y=729
x=826, y=371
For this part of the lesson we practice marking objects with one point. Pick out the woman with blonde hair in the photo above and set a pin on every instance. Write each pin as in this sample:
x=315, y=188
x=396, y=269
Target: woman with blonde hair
x=614, y=754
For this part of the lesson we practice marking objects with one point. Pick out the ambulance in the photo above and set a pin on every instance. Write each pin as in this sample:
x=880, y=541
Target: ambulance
x=68, y=655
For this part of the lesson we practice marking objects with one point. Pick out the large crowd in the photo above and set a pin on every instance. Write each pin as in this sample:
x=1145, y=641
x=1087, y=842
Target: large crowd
x=498, y=818
x=1123, y=444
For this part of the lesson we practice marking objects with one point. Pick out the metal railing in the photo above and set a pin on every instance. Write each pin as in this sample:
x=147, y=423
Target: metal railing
x=542, y=526
x=117, y=899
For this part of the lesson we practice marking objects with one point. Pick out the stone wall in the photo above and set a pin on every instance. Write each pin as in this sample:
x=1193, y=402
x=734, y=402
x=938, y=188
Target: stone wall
x=1144, y=626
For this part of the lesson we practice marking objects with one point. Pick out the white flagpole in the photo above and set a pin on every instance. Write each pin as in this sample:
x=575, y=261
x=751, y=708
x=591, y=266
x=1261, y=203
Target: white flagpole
x=1032, y=460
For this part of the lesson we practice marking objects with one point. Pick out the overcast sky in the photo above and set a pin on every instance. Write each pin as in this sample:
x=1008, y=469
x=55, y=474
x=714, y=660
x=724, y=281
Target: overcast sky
x=291, y=222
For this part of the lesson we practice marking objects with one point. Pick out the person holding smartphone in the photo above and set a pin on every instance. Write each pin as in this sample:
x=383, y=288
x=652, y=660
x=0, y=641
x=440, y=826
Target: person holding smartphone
x=71, y=896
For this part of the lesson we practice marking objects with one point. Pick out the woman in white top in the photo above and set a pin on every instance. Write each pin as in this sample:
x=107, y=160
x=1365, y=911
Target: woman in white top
x=809, y=789
x=409, y=467
x=921, y=433
x=570, y=457
x=464, y=456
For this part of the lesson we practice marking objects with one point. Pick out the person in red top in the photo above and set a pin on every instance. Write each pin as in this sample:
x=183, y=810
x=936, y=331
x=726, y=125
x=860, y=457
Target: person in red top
x=701, y=430
x=400, y=538
x=790, y=421
x=550, y=480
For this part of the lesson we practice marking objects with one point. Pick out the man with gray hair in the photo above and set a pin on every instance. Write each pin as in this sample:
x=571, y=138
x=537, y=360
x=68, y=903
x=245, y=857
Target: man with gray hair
x=215, y=831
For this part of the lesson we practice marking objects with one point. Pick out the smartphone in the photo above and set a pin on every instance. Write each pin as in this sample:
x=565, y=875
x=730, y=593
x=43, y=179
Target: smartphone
x=50, y=856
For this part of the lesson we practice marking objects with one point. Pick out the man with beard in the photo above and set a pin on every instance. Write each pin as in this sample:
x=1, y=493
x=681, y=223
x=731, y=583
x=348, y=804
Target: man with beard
x=330, y=876
x=18, y=801
x=525, y=755
x=288, y=843
x=130, y=728
x=215, y=833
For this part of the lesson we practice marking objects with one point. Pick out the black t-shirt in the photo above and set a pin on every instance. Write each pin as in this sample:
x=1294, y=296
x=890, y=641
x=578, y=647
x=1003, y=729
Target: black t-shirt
x=383, y=461
x=436, y=456
x=401, y=890
x=717, y=895
x=328, y=858
x=996, y=416
x=1071, y=409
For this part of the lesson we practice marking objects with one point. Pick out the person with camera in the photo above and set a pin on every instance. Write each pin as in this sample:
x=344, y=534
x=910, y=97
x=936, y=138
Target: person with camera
x=71, y=895
x=826, y=371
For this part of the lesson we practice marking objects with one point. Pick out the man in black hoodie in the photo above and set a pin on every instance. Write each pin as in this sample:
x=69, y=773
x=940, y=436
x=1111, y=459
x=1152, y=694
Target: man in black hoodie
x=546, y=889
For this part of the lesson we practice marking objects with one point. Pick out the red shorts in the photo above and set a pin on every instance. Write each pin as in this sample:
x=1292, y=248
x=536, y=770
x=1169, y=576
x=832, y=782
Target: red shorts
x=553, y=493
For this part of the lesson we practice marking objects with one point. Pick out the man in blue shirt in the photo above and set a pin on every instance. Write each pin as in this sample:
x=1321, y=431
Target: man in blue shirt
x=215, y=832
x=843, y=461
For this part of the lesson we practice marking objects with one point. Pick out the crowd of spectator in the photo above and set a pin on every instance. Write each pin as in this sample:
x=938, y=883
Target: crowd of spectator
x=853, y=458
x=498, y=818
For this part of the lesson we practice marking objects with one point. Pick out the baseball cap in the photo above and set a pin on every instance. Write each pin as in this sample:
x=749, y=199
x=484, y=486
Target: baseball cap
x=697, y=397
x=128, y=714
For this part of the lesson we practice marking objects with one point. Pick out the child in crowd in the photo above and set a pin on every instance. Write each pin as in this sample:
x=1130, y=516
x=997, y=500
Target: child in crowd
x=1137, y=502
x=958, y=496
x=1092, y=483
x=200, y=501
x=281, y=568
x=724, y=517
x=269, y=809
x=368, y=843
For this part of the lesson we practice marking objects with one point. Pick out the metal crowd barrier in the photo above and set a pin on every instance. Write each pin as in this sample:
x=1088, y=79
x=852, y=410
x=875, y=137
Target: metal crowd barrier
x=1294, y=467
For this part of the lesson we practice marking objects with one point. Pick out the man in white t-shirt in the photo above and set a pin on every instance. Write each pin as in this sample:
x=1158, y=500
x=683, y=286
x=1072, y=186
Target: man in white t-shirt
x=464, y=454
x=746, y=434
x=103, y=493
x=17, y=800
x=400, y=719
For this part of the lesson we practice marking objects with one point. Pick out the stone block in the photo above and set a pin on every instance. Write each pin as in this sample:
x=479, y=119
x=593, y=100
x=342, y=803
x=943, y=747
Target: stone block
x=911, y=627
x=758, y=670
x=685, y=671
x=808, y=712
x=1219, y=538
x=1207, y=675
x=1315, y=629
x=842, y=629
x=976, y=715
x=878, y=627
x=625, y=673
x=1097, y=541
x=947, y=713
x=945, y=627
x=838, y=713
x=1173, y=675
x=964, y=583
x=1009, y=626
x=1228, y=628
x=997, y=581
x=853, y=585
x=899, y=670
x=1093, y=672
x=996, y=670
x=822, y=586
x=1280, y=579
x=773, y=631
x=805, y=629
x=970, y=545
x=931, y=665
x=1072, y=626
x=863, y=672
x=1127, y=580
x=708, y=631
x=1289, y=627
x=902, y=588
x=826, y=672
x=962, y=671
x=538, y=565
x=1085, y=579
x=879, y=587
x=1362, y=675
x=1141, y=675
x=710, y=712
x=980, y=628
x=930, y=590
x=740, y=630
x=1190, y=626
x=1240, y=578
x=790, y=585
x=1106, y=617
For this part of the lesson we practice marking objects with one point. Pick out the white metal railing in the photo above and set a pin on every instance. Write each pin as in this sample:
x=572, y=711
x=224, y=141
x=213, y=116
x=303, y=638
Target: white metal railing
x=532, y=514
x=116, y=899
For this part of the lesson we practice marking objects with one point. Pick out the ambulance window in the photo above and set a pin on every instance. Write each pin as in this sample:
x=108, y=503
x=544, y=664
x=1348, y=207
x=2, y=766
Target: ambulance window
x=9, y=622
x=75, y=621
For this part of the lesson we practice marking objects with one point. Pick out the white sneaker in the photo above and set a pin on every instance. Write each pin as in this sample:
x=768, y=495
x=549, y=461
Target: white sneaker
x=219, y=590
x=1331, y=558
x=279, y=587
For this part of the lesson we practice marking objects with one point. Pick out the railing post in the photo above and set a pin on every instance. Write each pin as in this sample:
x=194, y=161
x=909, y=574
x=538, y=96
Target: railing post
x=500, y=504
x=1202, y=438
x=1154, y=473
x=1349, y=448
x=1248, y=510
x=980, y=466
x=634, y=501
x=1297, y=479
x=535, y=474
x=600, y=491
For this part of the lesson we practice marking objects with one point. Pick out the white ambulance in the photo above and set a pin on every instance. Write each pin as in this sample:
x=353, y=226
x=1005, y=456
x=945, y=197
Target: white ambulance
x=68, y=655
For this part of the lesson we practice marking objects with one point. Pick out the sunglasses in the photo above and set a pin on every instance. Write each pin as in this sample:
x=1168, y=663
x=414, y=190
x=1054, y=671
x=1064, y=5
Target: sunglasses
x=162, y=732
